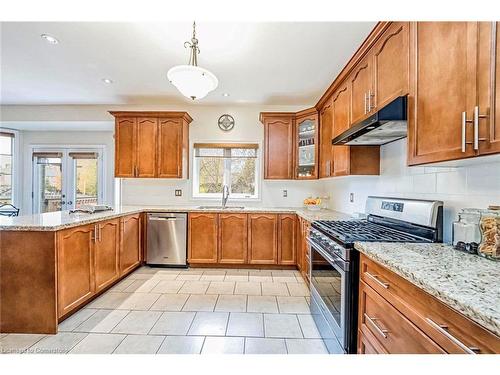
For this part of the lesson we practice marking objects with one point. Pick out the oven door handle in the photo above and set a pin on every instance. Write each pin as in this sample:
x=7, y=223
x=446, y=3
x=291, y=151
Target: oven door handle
x=337, y=262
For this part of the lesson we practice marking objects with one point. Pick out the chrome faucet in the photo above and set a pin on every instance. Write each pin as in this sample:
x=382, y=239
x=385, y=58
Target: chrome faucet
x=225, y=195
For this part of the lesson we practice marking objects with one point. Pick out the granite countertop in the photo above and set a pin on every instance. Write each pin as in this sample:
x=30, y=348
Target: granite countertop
x=60, y=220
x=468, y=283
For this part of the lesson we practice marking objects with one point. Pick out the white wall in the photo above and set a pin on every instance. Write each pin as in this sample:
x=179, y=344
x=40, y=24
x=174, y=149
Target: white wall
x=476, y=185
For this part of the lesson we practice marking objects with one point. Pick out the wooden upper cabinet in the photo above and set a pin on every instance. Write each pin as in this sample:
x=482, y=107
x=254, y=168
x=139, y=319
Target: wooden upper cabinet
x=130, y=243
x=287, y=239
x=75, y=267
x=202, y=238
x=278, y=145
x=443, y=70
x=391, y=64
x=170, y=148
x=125, y=146
x=361, y=88
x=326, y=127
x=262, y=239
x=147, y=129
x=233, y=238
x=307, y=146
x=107, y=246
x=151, y=144
x=341, y=122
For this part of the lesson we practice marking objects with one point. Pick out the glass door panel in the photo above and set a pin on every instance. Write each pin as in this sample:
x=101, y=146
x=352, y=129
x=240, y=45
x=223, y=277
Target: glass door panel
x=306, y=163
x=49, y=184
x=86, y=186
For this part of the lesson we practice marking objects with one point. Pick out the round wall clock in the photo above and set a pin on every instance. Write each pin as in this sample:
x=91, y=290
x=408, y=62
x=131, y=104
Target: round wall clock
x=226, y=122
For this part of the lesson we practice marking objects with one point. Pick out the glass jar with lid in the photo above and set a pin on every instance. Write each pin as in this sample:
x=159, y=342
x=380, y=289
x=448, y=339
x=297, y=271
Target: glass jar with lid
x=466, y=231
x=490, y=233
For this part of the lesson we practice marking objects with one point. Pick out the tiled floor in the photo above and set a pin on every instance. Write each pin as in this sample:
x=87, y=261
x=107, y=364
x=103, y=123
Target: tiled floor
x=188, y=311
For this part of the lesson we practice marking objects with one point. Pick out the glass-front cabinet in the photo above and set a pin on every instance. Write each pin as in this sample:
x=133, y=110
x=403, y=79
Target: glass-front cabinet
x=307, y=145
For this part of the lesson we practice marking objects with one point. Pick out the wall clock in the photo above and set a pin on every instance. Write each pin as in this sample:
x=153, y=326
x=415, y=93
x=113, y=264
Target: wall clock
x=226, y=122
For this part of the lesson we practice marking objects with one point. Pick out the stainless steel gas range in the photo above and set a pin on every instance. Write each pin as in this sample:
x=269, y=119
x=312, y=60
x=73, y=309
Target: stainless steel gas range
x=335, y=262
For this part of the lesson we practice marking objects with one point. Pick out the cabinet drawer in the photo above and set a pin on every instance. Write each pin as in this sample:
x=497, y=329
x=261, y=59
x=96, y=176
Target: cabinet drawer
x=451, y=330
x=391, y=329
x=368, y=344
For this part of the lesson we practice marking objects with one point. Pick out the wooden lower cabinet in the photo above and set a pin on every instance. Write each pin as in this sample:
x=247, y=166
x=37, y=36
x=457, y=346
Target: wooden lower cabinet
x=287, y=239
x=106, y=253
x=303, y=258
x=262, y=239
x=202, y=237
x=75, y=267
x=233, y=238
x=130, y=243
x=368, y=344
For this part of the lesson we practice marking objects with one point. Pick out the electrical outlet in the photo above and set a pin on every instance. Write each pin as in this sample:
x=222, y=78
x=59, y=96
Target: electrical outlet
x=351, y=197
x=285, y=193
x=178, y=192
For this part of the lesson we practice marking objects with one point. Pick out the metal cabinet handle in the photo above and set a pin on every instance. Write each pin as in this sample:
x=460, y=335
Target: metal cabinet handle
x=464, y=120
x=443, y=329
x=369, y=101
x=381, y=332
x=375, y=278
x=366, y=101
x=477, y=116
x=92, y=234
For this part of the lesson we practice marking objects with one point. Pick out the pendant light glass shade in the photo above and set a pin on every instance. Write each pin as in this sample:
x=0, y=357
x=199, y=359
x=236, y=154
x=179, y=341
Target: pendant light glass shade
x=192, y=81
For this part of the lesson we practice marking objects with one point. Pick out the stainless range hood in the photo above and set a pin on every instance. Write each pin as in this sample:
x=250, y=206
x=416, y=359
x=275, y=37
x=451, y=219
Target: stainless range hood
x=387, y=125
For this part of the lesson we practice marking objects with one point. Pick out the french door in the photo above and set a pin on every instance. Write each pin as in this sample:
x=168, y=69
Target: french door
x=66, y=178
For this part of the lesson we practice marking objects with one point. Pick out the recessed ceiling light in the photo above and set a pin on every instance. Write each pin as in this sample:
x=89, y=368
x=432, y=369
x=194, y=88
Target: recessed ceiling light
x=49, y=39
x=225, y=94
x=107, y=80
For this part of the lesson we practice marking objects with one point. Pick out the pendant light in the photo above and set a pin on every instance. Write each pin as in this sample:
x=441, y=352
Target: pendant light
x=191, y=80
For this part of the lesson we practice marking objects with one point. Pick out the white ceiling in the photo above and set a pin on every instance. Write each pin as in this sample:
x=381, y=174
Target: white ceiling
x=258, y=63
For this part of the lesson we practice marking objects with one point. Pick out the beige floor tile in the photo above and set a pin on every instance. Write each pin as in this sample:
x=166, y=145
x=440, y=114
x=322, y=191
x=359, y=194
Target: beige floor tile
x=283, y=273
x=231, y=303
x=209, y=324
x=274, y=289
x=168, y=286
x=260, y=279
x=139, y=344
x=142, y=286
x=245, y=324
x=18, y=342
x=103, y=321
x=300, y=279
x=168, y=271
x=98, y=343
x=141, y=276
x=260, y=273
x=200, y=302
x=238, y=277
x=282, y=326
x=57, y=344
x=146, y=269
x=221, y=287
x=249, y=288
x=223, y=345
x=214, y=272
x=192, y=271
x=262, y=304
x=194, y=287
x=164, y=276
x=75, y=320
x=284, y=279
x=137, y=322
x=309, y=329
x=298, y=289
x=293, y=305
x=173, y=323
x=188, y=276
x=237, y=272
x=139, y=301
x=257, y=345
x=122, y=285
x=210, y=277
x=109, y=300
x=170, y=302
x=181, y=345
x=306, y=346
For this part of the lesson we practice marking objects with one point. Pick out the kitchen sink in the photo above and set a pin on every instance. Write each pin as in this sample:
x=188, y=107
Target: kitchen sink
x=221, y=208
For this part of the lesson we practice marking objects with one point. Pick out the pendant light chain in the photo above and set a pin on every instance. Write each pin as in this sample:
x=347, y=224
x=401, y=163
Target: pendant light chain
x=195, y=50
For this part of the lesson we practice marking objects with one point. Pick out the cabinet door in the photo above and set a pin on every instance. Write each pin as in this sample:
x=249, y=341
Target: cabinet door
x=233, y=240
x=262, y=239
x=278, y=148
x=300, y=239
x=147, y=129
x=391, y=64
x=367, y=344
x=361, y=89
x=287, y=239
x=341, y=122
x=326, y=127
x=107, y=247
x=125, y=146
x=170, y=148
x=442, y=87
x=75, y=267
x=130, y=243
x=202, y=238
x=306, y=162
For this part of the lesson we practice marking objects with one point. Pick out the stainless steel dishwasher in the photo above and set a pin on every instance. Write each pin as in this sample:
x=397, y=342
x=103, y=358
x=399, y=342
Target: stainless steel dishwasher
x=166, y=239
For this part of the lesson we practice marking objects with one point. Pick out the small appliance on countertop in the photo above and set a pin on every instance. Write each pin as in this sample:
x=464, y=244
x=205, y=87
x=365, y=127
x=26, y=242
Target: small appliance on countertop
x=335, y=263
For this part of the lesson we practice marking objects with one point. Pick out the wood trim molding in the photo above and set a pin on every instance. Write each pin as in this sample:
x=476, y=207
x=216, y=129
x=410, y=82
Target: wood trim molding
x=162, y=114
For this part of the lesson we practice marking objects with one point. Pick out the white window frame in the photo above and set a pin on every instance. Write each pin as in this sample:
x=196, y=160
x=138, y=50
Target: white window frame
x=16, y=173
x=196, y=195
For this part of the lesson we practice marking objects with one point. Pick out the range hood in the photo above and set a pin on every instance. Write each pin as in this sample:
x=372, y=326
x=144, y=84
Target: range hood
x=387, y=125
